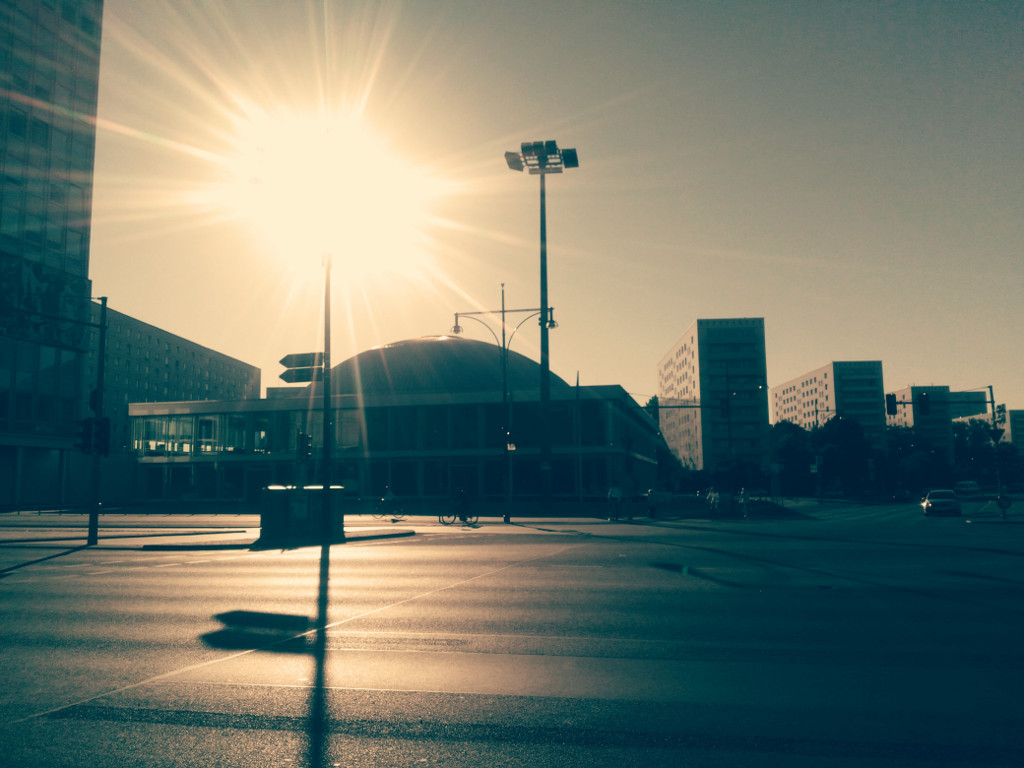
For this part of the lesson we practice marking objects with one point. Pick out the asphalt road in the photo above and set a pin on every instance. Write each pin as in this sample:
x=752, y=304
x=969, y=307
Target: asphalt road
x=843, y=636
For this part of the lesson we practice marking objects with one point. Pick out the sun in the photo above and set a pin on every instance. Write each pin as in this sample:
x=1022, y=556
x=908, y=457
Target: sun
x=307, y=183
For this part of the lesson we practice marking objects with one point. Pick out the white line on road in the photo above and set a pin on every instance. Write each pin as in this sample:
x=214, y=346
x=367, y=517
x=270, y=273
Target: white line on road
x=249, y=651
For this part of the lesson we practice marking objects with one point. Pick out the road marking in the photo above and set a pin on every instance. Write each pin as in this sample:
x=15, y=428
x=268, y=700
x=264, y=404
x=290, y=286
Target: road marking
x=231, y=656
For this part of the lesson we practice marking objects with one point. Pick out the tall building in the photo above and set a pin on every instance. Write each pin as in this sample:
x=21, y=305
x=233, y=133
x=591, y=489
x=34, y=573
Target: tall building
x=930, y=410
x=713, y=395
x=50, y=53
x=850, y=389
x=146, y=364
x=1014, y=427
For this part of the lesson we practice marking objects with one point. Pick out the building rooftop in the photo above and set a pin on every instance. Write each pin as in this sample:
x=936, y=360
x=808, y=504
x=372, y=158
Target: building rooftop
x=437, y=364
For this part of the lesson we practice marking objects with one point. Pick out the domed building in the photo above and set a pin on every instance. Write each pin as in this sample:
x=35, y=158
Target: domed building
x=435, y=365
x=424, y=417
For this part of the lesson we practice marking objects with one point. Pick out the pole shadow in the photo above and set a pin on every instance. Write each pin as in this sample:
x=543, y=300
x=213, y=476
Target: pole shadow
x=11, y=569
x=287, y=633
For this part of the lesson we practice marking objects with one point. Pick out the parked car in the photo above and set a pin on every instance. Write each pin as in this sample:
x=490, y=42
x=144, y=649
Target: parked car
x=941, y=502
x=966, y=488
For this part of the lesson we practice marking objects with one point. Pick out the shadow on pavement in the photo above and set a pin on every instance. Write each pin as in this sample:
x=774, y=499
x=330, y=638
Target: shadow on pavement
x=290, y=633
x=7, y=571
x=262, y=545
x=254, y=630
x=291, y=543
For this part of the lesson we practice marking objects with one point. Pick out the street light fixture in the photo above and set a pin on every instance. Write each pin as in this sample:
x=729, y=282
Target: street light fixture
x=504, y=344
x=540, y=158
x=457, y=329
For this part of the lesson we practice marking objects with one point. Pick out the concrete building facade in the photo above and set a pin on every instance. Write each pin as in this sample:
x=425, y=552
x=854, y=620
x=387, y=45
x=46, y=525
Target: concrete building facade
x=850, y=389
x=713, y=395
x=145, y=364
x=1014, y=427
x=930, y=410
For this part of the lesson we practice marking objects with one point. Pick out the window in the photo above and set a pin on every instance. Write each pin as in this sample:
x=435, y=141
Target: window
x=40, y=133
x=465, y=423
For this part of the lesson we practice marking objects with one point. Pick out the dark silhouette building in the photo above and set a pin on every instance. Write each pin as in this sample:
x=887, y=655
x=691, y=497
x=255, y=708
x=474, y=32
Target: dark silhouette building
x=50, y=73
x=423, y=417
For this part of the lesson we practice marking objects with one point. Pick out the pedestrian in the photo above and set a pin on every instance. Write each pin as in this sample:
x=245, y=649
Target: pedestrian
x=614, y=499
x=713, y=499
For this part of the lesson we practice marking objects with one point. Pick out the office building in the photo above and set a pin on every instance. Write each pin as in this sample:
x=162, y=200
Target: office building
x=1014, y=427
x=145, y=364
x=849, y=389
x=713, y=397
x=930, y=410
x=51, y=55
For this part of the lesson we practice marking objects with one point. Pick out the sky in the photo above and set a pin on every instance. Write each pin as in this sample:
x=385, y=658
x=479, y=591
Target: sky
x=851, y=172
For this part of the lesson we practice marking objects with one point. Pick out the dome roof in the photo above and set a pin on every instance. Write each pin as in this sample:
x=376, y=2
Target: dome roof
x=436, y=365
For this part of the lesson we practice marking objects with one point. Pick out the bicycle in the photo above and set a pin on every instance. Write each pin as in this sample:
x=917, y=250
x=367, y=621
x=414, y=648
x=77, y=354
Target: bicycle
x=389, y=509
x=449, y=518
x=461, y=505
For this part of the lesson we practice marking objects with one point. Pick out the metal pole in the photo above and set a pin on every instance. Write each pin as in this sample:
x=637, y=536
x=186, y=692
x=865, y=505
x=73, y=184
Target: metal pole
x=545, y=362
x=97, y=406
x=995, y=446
x=328, y=432
x=504, y=408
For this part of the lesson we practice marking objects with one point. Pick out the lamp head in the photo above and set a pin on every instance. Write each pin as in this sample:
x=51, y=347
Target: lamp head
x=541, y=157
x=514, y=160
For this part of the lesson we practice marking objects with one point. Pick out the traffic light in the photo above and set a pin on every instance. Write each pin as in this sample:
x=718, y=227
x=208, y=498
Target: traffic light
x=86, y=428
x=303, y=446
x=890, y=404
x=101, y=435
x=924, y=404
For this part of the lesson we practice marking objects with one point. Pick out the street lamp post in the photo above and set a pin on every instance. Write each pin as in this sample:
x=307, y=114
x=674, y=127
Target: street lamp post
x=504, y=344
x=328, y=431
x=92, y=538
x=541, y=158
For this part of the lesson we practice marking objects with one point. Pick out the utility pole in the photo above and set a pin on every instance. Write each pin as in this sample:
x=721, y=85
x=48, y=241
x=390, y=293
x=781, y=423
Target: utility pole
x=96, y=402
x=328, y=433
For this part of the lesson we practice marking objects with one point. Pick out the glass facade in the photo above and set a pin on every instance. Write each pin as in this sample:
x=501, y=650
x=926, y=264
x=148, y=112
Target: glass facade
x=49, y=73
x=422, y=450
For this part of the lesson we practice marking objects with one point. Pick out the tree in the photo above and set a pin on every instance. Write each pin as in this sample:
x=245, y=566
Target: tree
x=846, y=455
x=789, y=447
x=1011, y=468
x=974, y=455
x=912, y=467
x=652, y=408
x=900, y=444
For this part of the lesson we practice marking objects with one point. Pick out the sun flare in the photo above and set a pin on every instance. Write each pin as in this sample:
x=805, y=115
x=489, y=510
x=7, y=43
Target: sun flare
x=306, y=184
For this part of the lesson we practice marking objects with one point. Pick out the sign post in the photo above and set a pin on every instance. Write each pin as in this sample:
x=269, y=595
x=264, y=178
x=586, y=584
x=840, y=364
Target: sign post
x=302, y=367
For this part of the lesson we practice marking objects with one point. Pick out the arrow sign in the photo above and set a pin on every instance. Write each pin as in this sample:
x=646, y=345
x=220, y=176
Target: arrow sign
x=297, y=375
x=303, y=360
